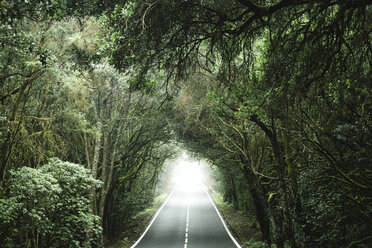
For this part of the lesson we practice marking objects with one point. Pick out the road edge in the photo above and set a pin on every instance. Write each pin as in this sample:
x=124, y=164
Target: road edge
x=224, y=221
x=153, y=219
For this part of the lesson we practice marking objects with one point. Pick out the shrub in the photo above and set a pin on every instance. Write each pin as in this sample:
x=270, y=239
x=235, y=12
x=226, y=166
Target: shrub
x=49, y=207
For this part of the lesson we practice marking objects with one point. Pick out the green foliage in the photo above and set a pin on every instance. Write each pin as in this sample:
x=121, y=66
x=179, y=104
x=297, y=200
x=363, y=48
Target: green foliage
x=55, y=91
x=289, y=86
x=49, y=207
x=277, y=95
x=41, y=9
x=146, y=85
x=258, y=244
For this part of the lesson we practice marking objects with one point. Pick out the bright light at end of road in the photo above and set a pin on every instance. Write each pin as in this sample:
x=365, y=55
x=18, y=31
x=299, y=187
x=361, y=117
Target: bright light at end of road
x=187, y=173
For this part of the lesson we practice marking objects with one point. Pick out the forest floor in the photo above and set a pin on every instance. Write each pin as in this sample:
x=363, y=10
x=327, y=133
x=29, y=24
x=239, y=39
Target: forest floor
x=243, y=227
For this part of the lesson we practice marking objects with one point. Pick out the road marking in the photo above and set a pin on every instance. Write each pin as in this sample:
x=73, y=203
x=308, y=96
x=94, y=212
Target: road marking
x=222, y=220
x=155, y=216
x=187, y=219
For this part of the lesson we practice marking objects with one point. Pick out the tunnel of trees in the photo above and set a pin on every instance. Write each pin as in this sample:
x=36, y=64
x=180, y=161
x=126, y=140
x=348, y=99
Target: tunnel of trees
x=96, y=95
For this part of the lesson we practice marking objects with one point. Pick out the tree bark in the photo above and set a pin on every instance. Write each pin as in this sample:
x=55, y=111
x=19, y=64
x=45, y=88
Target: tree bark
x=9, y=142
x=263, y=212
x=94, y=168
x=86, y=150
x=280, y=168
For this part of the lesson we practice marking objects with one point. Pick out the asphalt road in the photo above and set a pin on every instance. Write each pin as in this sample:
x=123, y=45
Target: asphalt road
x=187, y=220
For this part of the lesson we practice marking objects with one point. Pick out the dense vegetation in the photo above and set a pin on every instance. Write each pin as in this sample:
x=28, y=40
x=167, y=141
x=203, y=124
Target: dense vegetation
x=276, y=94
x=61, y=98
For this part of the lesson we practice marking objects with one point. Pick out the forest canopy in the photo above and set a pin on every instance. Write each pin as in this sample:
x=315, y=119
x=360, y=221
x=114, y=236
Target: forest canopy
x=275, y=94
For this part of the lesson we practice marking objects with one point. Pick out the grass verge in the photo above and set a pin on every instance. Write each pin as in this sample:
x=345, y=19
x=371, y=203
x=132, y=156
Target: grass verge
x=138, y=224
x=243, y=227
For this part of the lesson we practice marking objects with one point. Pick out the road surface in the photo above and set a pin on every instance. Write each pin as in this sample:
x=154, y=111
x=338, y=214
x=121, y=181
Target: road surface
x=188, y=219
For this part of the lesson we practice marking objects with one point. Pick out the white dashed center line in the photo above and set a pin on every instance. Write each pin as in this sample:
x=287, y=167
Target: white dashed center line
x=187, y=220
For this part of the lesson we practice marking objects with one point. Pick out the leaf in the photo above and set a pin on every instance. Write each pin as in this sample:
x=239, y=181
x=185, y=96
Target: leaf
x=271, y=196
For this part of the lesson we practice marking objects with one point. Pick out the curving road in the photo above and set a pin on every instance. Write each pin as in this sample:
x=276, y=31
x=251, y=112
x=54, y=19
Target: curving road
x=188, y=219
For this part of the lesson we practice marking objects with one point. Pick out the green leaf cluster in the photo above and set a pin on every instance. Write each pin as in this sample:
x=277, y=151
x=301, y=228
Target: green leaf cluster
x=49, y=207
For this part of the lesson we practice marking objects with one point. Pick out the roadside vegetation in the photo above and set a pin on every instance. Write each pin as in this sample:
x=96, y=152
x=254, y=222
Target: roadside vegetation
x=244, y=228
x=275, y=95
x=137, y=224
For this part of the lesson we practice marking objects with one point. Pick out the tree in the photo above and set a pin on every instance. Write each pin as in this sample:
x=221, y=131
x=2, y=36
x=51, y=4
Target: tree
x=290, y=68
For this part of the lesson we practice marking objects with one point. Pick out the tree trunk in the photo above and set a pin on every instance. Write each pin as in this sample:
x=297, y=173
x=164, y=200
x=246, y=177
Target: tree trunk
x=263, y=212
x=86, y=150
x=281, y=170
x=94, y=168
x=9, y=142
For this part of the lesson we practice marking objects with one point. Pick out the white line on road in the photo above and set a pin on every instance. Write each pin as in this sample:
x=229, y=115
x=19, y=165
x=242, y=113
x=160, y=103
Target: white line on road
x=187, y=219
x=222, y=220
x=155, y=216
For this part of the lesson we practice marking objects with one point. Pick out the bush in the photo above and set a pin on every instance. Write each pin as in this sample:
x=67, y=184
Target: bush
x=49, y=207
